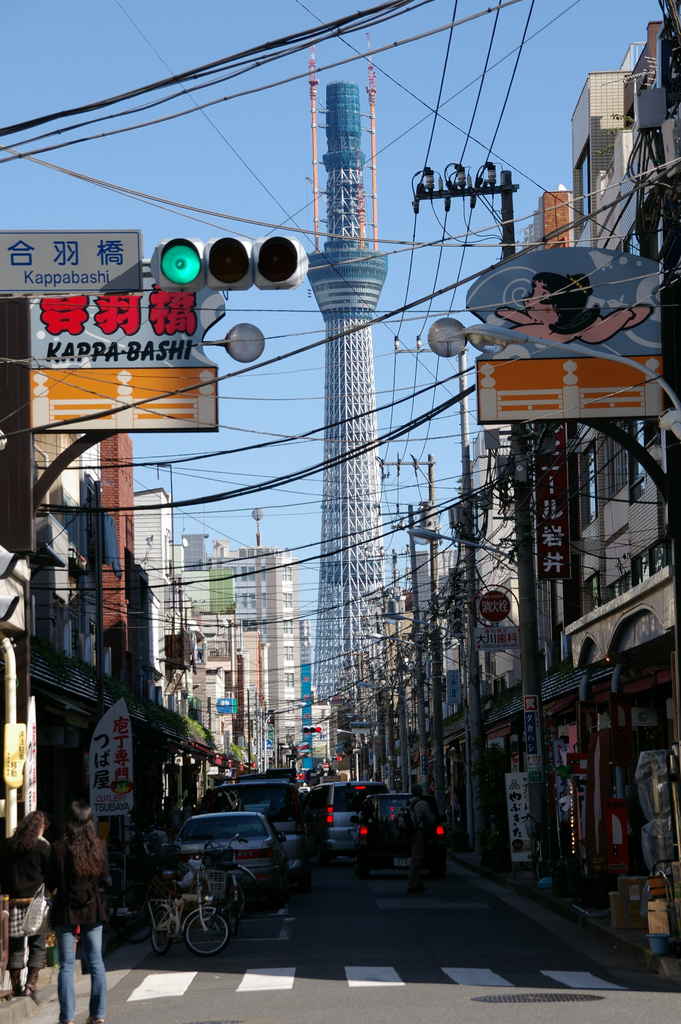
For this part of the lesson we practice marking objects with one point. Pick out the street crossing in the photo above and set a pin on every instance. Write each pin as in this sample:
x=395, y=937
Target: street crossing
x=270, y=979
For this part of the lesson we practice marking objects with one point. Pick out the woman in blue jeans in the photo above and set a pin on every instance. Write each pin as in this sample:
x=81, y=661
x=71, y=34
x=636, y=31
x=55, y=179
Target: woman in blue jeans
x=78, y=868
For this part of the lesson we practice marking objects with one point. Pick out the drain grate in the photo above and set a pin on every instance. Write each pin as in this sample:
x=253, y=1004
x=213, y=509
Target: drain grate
x=539, y=997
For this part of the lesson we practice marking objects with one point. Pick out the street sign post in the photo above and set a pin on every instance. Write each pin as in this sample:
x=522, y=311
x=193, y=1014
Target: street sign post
x=70, y=262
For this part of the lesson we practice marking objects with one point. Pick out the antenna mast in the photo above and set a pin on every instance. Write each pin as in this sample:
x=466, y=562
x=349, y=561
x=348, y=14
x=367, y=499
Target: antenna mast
x=314, y=82
x=371, y=91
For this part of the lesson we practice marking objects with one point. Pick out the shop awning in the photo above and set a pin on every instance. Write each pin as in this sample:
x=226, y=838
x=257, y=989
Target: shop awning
x=499, y=731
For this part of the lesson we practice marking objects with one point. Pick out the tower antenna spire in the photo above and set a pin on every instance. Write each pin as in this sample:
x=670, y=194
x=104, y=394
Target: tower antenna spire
x=314, y=82
x=371, y=91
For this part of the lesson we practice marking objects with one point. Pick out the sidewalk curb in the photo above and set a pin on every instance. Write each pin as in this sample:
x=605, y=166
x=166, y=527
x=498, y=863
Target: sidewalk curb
x=667, y=966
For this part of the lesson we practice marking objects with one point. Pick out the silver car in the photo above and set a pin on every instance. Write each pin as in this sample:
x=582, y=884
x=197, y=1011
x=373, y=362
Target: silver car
x=259, y=848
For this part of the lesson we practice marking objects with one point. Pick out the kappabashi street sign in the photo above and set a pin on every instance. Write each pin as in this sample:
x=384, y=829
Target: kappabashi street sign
x=127, y=362
x=599, y=300
x=67, y=262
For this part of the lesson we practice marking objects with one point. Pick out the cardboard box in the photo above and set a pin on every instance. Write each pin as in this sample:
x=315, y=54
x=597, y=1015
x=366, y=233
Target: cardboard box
x=629, y=891
x=617, y=918
x=658, y=918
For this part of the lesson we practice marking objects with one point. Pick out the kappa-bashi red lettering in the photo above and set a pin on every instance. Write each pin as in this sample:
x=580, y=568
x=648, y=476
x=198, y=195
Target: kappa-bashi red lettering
x=172, y=312
x=118, y=313
x=66, y=314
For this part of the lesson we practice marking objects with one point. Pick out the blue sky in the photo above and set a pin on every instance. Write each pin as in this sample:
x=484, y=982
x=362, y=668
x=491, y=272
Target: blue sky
x=249, y=157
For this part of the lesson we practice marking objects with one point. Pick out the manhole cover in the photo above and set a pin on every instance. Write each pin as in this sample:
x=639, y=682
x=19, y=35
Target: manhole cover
x=539, y=997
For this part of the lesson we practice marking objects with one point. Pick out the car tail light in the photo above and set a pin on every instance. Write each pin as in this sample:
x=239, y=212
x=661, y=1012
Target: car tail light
x=254, y=854
x=329, y=815
x=439, y=830
x=363, y=830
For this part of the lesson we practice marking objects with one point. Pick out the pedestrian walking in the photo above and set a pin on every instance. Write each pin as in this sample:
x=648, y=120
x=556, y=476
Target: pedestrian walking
x=424, y=822
x=23, y=863
x=78, y=868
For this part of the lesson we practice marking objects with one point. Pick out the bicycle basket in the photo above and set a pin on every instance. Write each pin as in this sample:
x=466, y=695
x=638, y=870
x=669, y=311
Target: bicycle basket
x=217, y=883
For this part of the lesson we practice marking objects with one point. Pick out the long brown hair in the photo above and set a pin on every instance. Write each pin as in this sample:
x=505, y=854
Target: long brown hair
x=82, y=840
x=28, y=831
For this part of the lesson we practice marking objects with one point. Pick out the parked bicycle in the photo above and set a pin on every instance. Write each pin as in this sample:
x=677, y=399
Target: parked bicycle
x=207, y=917
x=130, y=910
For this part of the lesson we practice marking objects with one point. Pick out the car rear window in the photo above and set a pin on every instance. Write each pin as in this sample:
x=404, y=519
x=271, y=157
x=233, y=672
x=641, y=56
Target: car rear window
x=272, y=800
x=351, y=798
x=200, y=829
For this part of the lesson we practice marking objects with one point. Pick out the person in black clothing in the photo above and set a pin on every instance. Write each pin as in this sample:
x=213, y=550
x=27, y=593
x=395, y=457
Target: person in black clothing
x=23, y=863
x=78, y=868
x=424, y=822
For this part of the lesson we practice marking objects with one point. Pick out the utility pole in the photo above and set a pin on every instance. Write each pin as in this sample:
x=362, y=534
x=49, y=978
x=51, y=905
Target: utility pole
x=436, y=656
x=420, y=671
x=472, y=665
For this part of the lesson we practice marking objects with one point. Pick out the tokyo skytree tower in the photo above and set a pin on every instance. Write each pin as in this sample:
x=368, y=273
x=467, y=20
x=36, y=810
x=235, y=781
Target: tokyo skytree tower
x=347, y=278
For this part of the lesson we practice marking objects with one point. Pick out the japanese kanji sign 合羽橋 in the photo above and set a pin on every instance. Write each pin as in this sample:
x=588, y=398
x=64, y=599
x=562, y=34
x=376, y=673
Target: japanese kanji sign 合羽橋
x=111, y=769
x=64, y=262
x=568, y=306
x=124, y=362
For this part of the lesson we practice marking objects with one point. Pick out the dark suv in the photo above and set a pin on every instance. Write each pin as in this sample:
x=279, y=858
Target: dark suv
x=381, y=845
x=329, y=810
x=279, y=801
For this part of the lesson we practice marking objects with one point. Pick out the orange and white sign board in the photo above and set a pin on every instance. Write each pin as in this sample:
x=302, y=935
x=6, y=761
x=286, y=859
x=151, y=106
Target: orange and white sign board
x=124, y=362
x=111, y=395
x=589, y=388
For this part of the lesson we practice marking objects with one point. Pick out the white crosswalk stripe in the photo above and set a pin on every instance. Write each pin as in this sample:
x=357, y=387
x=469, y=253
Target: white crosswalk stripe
x=267, y=979
x=580, y=979
x=160, y=986
x=362, y=977
x=475, y=976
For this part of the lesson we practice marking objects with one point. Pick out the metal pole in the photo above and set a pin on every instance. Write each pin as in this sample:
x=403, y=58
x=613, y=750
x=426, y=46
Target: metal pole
x=419, y=655
x=436, y=656
x=474, y=719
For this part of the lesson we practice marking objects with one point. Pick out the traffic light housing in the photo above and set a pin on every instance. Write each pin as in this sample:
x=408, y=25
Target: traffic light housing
x=177, y=265
x=230, y=263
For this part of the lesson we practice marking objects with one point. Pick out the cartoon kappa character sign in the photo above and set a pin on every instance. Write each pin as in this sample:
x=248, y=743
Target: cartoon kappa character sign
x=573, y=294
x=556, y=310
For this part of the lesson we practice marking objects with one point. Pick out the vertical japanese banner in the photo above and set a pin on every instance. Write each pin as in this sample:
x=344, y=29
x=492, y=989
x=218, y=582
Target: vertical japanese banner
x=533, y=754
x=616, y=830
x=111, y=775
x=31, y=766
x=518, y=806
x=553, y=514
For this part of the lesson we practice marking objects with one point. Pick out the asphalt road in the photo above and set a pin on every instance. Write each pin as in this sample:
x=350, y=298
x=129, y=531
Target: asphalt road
x=355, y=951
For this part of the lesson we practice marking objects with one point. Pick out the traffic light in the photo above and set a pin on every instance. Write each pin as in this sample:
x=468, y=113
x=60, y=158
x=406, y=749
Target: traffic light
x=307, y=729
x=177, y=265
x=230, y=263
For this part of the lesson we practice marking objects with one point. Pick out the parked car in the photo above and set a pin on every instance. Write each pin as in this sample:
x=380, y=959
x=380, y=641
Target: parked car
x=278, y=800
x=224, y=798
x=259, y=848
x=329, y=809
x=380, y=845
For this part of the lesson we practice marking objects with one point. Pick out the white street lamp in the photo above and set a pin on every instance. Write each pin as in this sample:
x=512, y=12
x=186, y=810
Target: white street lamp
x=424, y=534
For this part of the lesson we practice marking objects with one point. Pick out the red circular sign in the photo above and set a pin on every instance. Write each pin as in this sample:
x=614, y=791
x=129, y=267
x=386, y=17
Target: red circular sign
x=492, y=605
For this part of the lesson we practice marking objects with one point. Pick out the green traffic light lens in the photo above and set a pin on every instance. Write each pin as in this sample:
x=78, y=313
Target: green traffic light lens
x=180, y=262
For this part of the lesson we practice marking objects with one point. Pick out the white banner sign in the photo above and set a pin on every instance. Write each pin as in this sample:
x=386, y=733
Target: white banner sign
x=30, y=768
x=518, y=804
x=111, y=775
x=497, y=638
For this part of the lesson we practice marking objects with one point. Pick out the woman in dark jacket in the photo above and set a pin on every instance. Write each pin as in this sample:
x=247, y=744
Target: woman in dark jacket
x=77, y=867
x=23, y=861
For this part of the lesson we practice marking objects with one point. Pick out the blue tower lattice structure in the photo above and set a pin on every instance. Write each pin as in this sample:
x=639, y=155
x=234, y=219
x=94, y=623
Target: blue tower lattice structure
x=347, y=278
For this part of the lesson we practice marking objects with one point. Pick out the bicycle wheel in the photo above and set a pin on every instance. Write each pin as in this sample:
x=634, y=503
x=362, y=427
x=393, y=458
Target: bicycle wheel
x=206, y=932
x=161, y=941
x=131, y=920
x=248, y=892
